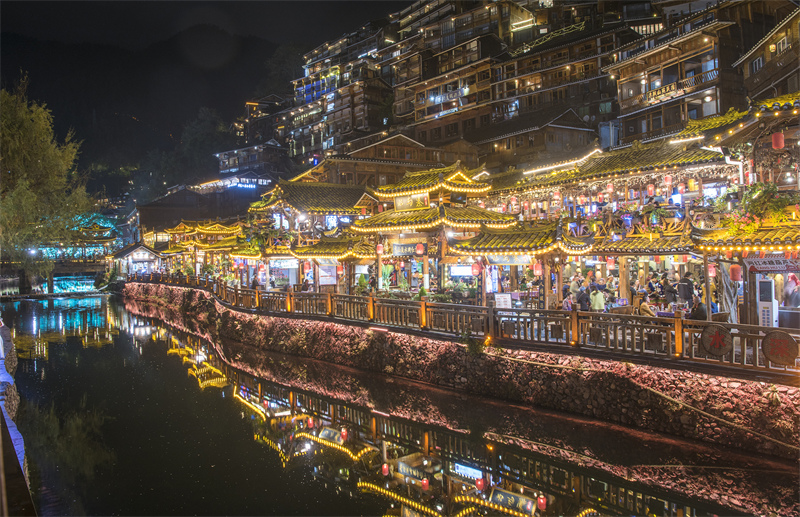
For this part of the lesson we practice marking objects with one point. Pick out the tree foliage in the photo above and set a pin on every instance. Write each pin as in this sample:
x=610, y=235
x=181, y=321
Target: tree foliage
x=283, y=66
x=40, y=191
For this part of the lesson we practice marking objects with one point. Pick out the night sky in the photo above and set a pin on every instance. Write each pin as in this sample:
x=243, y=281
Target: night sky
x=135, y=25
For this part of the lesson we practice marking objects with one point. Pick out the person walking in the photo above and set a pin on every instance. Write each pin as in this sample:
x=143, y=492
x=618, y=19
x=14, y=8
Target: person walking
x=583, y=299
x=566, y=305
x=598, y=300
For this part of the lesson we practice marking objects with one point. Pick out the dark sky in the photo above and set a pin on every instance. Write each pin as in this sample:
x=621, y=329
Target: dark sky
x=135, y=25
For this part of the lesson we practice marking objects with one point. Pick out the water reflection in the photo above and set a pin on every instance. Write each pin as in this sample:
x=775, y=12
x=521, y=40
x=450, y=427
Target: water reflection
x=125, y=414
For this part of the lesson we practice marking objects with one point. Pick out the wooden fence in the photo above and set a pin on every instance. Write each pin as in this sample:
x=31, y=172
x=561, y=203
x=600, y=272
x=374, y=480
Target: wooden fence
x=739, y=346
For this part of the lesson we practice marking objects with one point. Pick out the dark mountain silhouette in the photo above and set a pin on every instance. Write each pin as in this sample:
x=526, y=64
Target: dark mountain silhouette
x=123, y=103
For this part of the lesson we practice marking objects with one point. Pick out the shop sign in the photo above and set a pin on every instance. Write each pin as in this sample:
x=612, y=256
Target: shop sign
x=408, y=250
x=449, y=96
x=501, y=260
x=655, y=95
x=777, y=264
x=284, y=264
x=716, y=340
x=516, y=502
x=467, y=472
x=415, y=202
x=408, y=470
x=780, y=348
x=332, y=435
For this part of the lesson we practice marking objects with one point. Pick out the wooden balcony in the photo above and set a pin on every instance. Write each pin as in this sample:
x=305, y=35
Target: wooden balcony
x=676, y=89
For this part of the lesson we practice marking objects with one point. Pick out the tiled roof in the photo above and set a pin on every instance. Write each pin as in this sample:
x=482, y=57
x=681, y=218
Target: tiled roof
x=524, y=239
x=339, y=249
x=784, y=102
x=313, y=198
x=697, y=127
x=450, y=216
x=454, y=179
x=761, y=240
x=510, y=179
x=525, y=123
x=652, y=244
x=175, y=250
x=224, y=244
x=207, y=227
x=627, y=161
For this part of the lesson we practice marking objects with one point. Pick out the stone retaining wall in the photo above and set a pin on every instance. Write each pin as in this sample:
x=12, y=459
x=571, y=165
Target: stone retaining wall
x=749, y=415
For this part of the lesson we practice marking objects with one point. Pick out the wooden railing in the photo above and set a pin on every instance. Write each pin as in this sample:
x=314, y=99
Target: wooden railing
x=639, y=336
x=682, y=87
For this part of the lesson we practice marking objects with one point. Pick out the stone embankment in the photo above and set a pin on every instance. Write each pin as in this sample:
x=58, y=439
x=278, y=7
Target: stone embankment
x=749, y=415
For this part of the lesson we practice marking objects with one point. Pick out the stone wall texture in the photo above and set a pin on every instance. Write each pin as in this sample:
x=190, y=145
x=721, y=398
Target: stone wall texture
x=753, y=416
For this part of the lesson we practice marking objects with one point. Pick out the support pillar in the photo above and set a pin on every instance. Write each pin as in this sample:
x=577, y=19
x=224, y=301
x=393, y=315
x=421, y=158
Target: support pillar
x=426, y=277
x=707, y=286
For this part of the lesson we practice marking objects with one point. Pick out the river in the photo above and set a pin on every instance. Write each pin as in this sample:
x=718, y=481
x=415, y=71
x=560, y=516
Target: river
x=126, y=415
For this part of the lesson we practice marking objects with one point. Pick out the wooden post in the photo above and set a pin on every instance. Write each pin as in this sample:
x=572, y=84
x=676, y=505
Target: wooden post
x=492, y=330
x=624, y=279
x=378, y=270
x=315, y=272
x=513, y=274
x=575, y=329
x=236, y=294
x=560, y=277
x=289, y=304
x=707, y=286
x=548, y=288
x=679, y=336
x=426, y=277
x=328, y=304
x=371, y=308
x=423, y=314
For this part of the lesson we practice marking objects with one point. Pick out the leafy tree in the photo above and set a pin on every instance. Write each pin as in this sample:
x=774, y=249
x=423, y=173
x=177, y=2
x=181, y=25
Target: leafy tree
x=283, y=66
x=40, y=192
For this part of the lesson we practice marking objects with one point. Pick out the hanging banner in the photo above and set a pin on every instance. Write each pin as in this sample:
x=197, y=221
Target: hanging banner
x=332, y=435
x=774, y=264
x=408, y=250
x=508, y=260
x=407, y=470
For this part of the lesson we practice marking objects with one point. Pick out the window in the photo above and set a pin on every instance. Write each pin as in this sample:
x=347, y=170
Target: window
x=382, y=179
x=605, y=107
x=422, y=136
x=756, y=64
x=451, y=129
x=485, y=119
x=436, y=133
x=782, y=45
x=468, y=125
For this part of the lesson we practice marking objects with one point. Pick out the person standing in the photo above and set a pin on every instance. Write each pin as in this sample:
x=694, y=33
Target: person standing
x=567, y=303
x=686, y=287
x=598, y=300
x=583, y=299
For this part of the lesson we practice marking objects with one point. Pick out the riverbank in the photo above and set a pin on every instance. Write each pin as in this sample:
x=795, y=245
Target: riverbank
x=748, y=415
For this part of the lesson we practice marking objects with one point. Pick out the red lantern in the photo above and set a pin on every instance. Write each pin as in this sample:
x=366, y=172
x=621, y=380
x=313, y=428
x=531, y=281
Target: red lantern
x=503, y=207
x=425, y=484
x=380, y=208
x=306, y=266
x=344, y=435
x=610, y=263
x=581, y=199
x=556, y=195
x=526, y=205
x=712, y=271
x=481, y=204
x=600, y=197
x=777, y=141
x=402, y=264
x=311, y=423
x=363, y=211
x=651, y=189
x=681, y=188
x=385, y=469
x=339, y=270
x=480, y=484
x=541, y=502
x=537, y=269
x=610, y=188
x=476, y=268
x=668, y=180
x=656, y=259
x=420, y=249
x=685, y=258
x=379, y=249
x=736, y=273
x=513, y=201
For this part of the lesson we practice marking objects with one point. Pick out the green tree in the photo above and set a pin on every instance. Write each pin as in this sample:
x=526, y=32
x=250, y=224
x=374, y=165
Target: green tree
x=40, y=191
x=283, y=66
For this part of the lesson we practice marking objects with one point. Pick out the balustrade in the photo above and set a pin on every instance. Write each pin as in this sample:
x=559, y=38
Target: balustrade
x=633, y=335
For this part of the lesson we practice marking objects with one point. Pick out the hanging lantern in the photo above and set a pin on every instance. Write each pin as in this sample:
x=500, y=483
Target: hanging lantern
x=651, y=189
x=685, y=258
x=339, y=269
x=712, y=271
x=481, y=204
x=480, y=484
x=668, y=180
x=582, y=199
x=610, y=263
x=656, y=259
x=380, y=208
x=512, y=201
x=556, y=195
x=777, y=141
x=537, y=268
x=526, y=205
x=476, y=268
x=600, y=197
x=503, y=208
x=425, y=484
x=311, y=423
x=681, y=188
x=379, y=249
x=419, y=249
x=363, y=210
x=736, y=273
x=610, y=188
x=385, y=469
x=344, y=435
x=541, y=502
x=402, y=264
x=692, y=185
x=306, y=266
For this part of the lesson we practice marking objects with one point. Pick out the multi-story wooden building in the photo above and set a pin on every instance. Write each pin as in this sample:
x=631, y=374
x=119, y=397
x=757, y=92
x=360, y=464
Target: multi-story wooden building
x=686, y=71
x=772, y=66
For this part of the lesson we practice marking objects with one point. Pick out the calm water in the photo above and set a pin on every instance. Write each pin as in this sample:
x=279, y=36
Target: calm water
x=125, y=415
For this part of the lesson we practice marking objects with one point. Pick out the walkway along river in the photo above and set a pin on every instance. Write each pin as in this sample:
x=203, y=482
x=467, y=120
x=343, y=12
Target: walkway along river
x=726, y=410
x=125, y=414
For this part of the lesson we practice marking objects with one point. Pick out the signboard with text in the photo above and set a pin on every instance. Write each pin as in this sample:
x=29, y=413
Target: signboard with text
x=332, y=435
x=516, y=502
x=408, y=250
x=502, y=260
x=415, y=202
x=775, y=264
